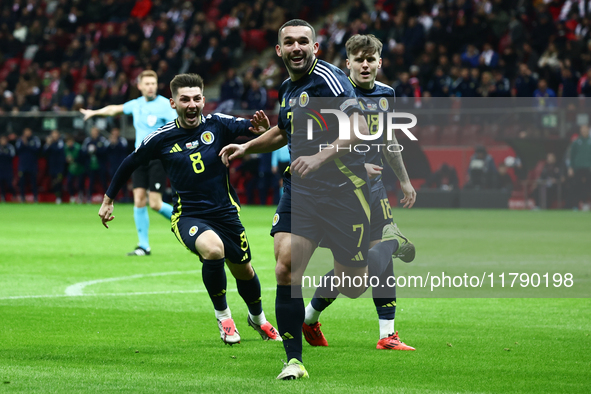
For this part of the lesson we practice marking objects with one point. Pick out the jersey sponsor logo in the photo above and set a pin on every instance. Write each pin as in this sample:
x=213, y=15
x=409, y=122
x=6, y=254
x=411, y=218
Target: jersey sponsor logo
x=192, y=145
x=207, y=137
x=193, y=230
x=275, y=219
x=304, y=99
x=152, y=119
x=384, y=104
x=293, y=101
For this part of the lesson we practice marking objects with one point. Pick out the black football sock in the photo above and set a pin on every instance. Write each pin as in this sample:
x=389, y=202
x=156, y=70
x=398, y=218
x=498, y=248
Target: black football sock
x=290, y=317
x=380, y=256
x=384, y=298
x=324, y=296
x=250, y=291
x=214, y=279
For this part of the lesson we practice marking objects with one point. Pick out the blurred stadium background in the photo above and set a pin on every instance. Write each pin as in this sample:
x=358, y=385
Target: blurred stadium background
x=58, y=56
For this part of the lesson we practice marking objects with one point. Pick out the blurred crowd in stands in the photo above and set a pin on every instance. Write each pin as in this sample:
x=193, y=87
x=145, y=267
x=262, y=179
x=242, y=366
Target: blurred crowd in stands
x=551, y=183
x=60, y=55
x=68, y=54
x=62, y=167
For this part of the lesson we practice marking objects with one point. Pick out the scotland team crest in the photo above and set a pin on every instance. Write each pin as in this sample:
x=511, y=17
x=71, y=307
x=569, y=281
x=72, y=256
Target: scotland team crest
x=275, y=219
x=193, y=230
x=207, y=137
x=383, y=104
x=304, y=99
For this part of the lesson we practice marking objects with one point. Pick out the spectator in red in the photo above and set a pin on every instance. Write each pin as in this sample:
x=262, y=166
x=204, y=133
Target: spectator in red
x=141, y=8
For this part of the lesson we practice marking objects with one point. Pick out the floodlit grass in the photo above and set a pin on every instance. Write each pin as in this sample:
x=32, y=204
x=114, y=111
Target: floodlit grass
x=157, y=333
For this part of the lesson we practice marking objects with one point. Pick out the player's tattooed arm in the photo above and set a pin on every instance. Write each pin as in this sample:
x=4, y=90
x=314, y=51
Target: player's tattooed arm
x=395, y=161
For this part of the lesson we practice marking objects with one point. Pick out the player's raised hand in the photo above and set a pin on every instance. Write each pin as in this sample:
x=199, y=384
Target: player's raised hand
x=304, y=165
x=410, y=195
x=88, y=113
x=373, y=170
x=260, y=122
x=106, y=210
x=231, y=152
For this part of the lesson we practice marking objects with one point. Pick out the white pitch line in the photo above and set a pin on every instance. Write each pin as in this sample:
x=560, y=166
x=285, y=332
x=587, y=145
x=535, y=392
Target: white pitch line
x=119, y=294
x=78, y=288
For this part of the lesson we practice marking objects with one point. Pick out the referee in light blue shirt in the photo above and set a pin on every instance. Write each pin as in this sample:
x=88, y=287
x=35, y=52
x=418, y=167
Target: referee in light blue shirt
x=150, y=111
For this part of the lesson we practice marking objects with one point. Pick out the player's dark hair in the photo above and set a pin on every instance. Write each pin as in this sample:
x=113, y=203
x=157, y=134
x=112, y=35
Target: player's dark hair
x=368, y=44
x=296, y=22
x=185, y=81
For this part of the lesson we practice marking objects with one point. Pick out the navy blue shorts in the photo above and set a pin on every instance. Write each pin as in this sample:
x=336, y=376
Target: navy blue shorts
x=341, y=221
x=231, y=231
x=282, y=218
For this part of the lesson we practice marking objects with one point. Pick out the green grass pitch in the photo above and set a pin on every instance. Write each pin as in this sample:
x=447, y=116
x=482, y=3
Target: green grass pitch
x=151, y=327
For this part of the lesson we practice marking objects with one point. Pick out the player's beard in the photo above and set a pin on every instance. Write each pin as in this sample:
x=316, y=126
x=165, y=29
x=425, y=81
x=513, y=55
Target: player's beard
x=307, y=60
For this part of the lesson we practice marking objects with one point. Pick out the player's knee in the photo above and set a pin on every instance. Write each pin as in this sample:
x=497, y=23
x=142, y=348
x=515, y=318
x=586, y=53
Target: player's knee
x=242, y=271
x=212, y=252
x=140, y=202
x=283, y=273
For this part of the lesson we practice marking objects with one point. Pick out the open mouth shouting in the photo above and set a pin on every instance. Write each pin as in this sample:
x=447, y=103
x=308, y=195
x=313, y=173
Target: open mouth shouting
x=298, y=60
x=191, y=116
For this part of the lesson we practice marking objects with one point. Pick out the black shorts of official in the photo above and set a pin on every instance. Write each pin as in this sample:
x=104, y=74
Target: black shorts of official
x=150, y=176
x=340, y=220
x=381, y=213
x=231, y=232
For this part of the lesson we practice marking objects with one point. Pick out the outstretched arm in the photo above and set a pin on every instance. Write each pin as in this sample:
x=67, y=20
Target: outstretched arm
x=394, y=159
x=127, y=167
x=109, y=110
x=272, y=140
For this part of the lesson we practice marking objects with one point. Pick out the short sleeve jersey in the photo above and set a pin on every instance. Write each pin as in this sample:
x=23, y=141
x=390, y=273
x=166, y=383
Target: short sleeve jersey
x=328, y=82
x=148, y=115
x=378, y=100
x=190, y=158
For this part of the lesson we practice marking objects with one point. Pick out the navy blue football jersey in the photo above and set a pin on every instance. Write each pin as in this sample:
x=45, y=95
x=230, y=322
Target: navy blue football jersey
x=299, y=103
x=378, y=100
x=190, y=158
